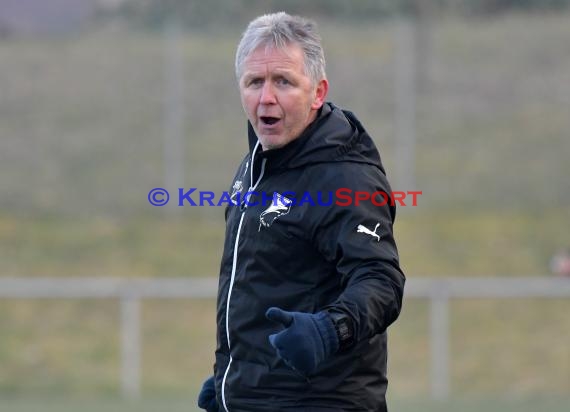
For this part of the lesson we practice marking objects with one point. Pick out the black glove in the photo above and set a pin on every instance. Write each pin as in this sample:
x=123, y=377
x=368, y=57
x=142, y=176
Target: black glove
x=308, y=339
x=207, y=398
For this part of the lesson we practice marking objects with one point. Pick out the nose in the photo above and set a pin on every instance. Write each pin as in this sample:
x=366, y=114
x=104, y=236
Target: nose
x=267, y=94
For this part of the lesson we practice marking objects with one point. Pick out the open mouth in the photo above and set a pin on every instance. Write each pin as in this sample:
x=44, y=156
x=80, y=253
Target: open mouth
x=269, y=120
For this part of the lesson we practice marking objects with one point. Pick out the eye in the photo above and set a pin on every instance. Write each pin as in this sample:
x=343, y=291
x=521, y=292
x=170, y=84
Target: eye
x=254, y=82
x=282, y=81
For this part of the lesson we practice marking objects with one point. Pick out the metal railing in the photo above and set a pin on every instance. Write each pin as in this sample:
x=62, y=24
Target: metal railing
x=131, y=291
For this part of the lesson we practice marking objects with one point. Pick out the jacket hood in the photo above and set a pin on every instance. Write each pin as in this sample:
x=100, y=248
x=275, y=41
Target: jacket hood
x=336, y=135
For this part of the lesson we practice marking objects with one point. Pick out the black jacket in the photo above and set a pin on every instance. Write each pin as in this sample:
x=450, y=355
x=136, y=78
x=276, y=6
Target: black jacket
x=307, y=257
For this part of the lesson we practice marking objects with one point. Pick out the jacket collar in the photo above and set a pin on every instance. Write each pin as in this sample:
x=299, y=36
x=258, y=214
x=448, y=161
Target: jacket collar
x=335, y=135
x=279, y=158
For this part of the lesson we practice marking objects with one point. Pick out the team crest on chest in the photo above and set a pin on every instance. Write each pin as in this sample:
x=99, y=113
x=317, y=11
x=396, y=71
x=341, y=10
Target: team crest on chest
x=236, y=189
x=280, y=206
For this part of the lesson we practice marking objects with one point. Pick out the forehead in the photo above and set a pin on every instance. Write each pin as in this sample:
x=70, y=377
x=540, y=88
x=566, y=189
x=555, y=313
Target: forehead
x=264, y=57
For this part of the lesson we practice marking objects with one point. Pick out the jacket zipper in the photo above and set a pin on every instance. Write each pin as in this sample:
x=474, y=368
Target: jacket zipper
x=234, y=266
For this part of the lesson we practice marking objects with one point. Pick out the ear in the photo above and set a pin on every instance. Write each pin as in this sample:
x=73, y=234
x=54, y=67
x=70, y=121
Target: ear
x=320, y=94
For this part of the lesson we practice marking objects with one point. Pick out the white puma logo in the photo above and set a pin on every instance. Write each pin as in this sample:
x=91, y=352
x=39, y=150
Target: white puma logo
x=363, y=229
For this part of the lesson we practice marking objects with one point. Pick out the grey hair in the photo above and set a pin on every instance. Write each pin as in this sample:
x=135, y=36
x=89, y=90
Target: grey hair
x=280, y=30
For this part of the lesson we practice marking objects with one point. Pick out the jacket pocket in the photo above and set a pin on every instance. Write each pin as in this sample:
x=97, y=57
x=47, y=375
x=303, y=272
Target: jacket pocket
x=265, y=381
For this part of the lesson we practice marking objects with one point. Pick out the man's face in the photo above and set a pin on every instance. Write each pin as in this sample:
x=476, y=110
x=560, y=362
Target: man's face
x=279, y=99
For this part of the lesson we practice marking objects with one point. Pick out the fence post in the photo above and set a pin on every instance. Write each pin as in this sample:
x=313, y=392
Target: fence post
x=405, y=97
x=174, y=110
x=130, y=346
x=439, y=341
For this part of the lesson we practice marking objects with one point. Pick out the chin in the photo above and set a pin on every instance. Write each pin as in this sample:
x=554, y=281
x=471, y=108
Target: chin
x=271, y=143
x=271, y=146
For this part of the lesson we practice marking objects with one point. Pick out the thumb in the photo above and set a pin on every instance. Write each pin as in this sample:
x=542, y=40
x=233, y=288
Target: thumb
x=280, y=316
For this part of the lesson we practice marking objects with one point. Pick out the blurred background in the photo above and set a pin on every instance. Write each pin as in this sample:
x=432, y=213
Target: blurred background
x=103, y=100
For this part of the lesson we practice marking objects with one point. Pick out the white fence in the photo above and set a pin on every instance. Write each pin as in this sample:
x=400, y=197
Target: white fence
x=131, y=291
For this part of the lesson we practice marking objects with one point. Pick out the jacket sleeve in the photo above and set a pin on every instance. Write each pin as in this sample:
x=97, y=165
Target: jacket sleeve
x=359, y=241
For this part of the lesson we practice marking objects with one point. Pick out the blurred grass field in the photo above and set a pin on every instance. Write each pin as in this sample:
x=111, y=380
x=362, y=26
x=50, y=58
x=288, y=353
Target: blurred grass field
x=80, y=127
x=153, y=405
x=512, y=348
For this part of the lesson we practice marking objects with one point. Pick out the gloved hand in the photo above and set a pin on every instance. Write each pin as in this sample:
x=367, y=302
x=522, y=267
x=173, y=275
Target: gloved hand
x=207, y=398
x=308, y=339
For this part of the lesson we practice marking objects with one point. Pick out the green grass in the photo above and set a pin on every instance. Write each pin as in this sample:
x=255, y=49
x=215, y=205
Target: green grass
x=110, y=246
x=515, y=348
x=188, y=405
x=477, y=405
x=431, y=243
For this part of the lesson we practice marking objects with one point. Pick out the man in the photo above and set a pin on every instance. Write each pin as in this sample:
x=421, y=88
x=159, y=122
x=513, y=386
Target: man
x=306, y=289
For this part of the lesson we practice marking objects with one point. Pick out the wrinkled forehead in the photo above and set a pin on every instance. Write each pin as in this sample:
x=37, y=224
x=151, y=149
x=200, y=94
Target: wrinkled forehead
x=291, y=52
